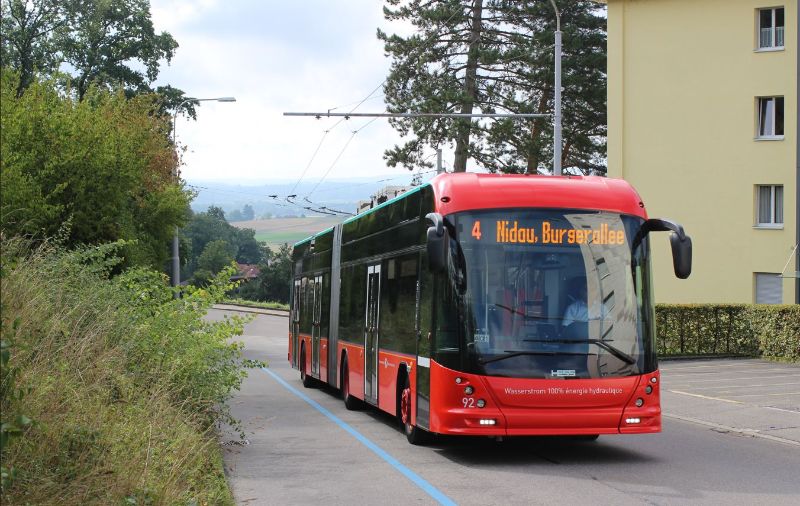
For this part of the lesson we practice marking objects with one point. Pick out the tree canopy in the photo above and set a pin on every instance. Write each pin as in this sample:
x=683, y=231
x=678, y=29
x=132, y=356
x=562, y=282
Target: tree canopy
x=211, y=226
x=274, y=282
x=496, y=56
x=84, y=43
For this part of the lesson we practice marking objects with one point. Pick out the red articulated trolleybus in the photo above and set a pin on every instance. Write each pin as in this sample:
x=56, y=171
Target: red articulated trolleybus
x=489, y=305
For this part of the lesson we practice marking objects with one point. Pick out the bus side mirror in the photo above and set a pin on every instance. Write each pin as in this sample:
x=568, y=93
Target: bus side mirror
x=437, y=242
x=681, y=254
x=680, y=242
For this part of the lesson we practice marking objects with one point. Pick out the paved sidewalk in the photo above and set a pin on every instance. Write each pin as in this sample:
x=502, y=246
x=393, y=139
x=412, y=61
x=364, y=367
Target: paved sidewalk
x=750, y=397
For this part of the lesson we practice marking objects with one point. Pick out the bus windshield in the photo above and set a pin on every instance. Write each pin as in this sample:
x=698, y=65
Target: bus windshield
x=548, y=294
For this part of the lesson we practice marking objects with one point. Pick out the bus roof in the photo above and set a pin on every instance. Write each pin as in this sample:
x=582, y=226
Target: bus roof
x=470, y=191
x=455, y=192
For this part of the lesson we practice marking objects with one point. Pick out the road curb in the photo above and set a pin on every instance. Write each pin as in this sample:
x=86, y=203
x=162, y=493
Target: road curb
x=725, y=428
x=254, y=310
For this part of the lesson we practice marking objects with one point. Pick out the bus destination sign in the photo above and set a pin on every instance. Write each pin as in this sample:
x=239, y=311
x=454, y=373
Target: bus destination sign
x=512, y=232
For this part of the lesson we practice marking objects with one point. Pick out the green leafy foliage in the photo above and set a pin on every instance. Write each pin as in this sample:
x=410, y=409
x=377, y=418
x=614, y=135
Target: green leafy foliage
x=105, y=43
x=29, y=36
x=104, y=165
x=12, y=423
x=496, y=56
x=729, y=329
x=261, y=305
x=274, y=282
x=111, y=42
x=211, y=226
x=123, y=384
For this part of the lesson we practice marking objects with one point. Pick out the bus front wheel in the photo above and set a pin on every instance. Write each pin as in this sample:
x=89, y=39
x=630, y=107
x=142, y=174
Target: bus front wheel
x=414, y=434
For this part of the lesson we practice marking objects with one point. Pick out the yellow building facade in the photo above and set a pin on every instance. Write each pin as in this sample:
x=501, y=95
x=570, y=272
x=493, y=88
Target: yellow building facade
x=703, y=121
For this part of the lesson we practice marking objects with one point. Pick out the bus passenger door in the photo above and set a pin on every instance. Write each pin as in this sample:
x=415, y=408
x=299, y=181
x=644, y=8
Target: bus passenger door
x=316, y=324
x=296, y=323
x=371, y=334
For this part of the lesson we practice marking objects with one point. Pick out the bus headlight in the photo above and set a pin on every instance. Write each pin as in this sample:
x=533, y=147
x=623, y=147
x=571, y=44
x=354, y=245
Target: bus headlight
x=481, y=403
x=469, y=390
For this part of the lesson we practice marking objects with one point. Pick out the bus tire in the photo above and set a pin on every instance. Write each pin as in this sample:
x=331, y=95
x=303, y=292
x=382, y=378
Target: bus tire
x=414, y=434
x=307, y=380
x=350, y=402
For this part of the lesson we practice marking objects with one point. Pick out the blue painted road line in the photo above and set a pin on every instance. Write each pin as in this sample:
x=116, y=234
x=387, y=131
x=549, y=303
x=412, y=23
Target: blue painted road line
x=429, y=489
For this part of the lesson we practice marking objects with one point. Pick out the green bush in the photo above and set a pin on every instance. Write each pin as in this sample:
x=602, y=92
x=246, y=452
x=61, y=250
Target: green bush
x=728, y=329
x=279, y=306
x=123, y=384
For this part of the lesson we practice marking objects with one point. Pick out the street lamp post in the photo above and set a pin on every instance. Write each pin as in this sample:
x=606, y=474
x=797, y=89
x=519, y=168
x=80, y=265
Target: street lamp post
x=176, y=258
x=557, y=115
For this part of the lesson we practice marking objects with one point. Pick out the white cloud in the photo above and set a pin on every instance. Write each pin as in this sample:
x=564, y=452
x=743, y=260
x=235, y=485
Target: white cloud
x=273, y=59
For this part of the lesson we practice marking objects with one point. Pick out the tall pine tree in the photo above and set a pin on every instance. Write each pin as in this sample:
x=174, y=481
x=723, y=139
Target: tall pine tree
x=496, y=56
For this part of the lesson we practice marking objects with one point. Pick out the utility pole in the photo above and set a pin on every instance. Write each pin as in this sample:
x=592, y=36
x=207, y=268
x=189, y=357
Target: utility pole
x=176, y=250
x=439, y=168
x=557, y=115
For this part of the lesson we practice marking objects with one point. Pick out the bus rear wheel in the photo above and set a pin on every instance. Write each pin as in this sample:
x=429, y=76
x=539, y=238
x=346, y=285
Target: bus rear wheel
x=350, y=402
x=307, y=380
x=414, y=434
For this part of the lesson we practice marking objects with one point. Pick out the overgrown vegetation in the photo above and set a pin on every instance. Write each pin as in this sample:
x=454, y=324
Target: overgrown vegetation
x=111, y=388
x=104, y=165
x=771, y=331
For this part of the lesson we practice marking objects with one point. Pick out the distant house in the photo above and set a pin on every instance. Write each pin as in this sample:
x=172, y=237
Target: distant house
x=246, y=272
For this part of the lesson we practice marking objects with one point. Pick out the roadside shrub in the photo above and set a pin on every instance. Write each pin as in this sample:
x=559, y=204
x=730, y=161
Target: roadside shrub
x=728, y=329
x=777, y=329
x=123, y=384
x=280, y=306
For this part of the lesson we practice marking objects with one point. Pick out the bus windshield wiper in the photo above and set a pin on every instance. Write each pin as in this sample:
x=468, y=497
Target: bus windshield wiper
x=511, y=354
x=599, y=342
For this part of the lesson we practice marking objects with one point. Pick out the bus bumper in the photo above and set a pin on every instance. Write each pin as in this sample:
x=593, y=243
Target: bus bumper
x=464, y=404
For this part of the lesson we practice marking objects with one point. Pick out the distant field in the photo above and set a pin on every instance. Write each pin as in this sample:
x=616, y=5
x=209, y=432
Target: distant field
x=287, y=230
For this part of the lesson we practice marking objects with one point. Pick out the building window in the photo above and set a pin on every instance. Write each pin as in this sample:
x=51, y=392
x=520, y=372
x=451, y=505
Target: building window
x=770, y=28
x=769, y=205
x=768, y=288
x=770, y=117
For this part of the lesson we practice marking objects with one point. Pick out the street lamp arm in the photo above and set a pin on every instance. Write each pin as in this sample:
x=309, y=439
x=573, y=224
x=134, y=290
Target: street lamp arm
x=558, y=16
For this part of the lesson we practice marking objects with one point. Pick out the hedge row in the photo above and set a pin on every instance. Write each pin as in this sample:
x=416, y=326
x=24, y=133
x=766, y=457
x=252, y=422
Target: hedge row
x=728, y=329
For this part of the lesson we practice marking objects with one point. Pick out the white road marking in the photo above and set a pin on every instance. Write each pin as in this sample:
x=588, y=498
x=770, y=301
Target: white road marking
x=704, y=397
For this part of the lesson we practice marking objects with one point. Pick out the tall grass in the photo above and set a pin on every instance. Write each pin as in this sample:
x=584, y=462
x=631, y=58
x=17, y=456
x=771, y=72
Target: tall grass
x=111, y=389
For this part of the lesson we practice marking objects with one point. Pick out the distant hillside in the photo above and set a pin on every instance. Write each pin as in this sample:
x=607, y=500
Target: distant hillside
x=277, y=231
x=341, y=195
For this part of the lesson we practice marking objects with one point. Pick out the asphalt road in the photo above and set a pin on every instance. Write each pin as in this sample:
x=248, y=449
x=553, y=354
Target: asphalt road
x=303, y=447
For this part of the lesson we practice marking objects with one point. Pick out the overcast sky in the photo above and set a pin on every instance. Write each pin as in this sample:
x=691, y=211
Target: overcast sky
x=277, y=56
